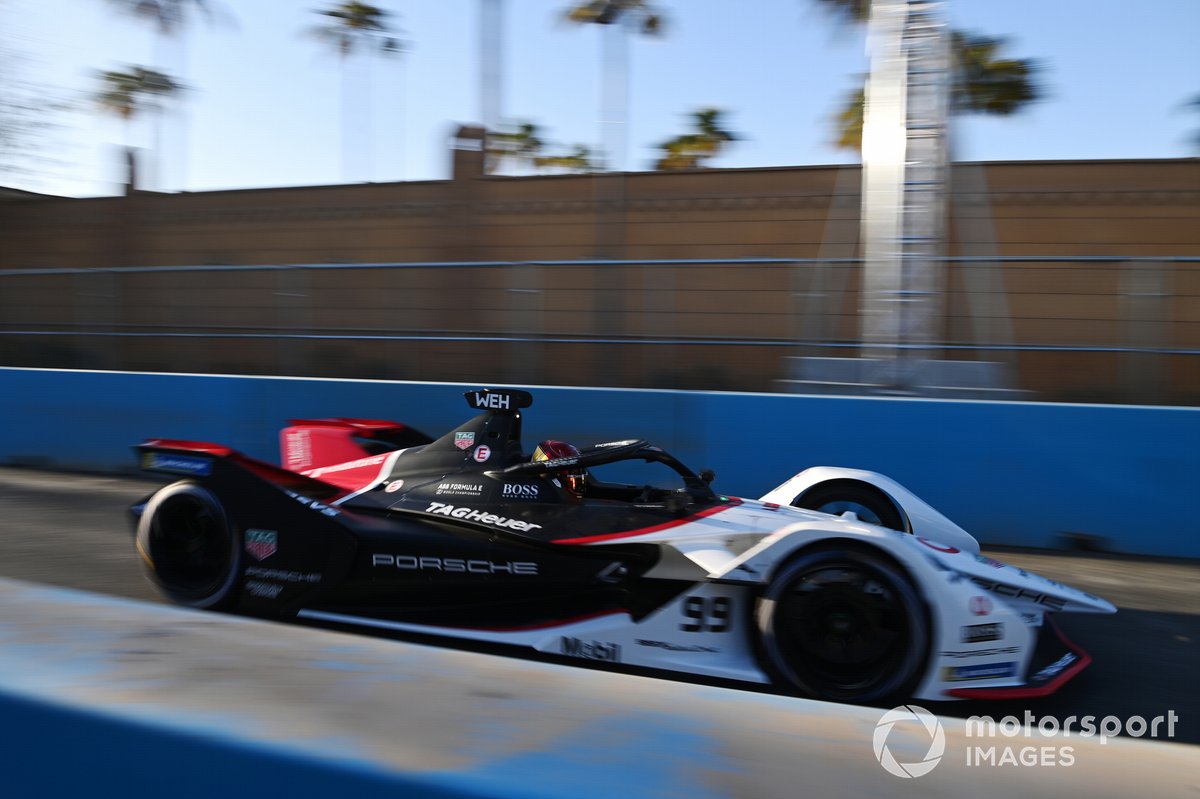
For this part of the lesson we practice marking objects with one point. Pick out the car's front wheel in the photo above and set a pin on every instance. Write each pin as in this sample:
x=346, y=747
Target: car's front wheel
x=843, y=624
x=867, y=503
x=189, y=547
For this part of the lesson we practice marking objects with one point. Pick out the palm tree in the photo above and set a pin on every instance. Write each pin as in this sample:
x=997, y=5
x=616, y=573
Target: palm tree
x=987, y=83
x=354, y=26
x=169, y=19
x=620, y=16
x=579, y=159
x=609, y=12
x=982, y=81
x=848, y=122
x=703, y=143
x=848, y=10
x=169, y=16
x=522, y=145
x=129, y=92
x=351, y=29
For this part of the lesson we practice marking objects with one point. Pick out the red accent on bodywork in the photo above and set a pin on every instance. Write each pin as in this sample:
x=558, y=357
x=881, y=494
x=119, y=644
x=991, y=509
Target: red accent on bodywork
x=939, y=547
x=347, y=421
x=730, y=503
x=353, y=475
x=219, y=450
x=1032, y=692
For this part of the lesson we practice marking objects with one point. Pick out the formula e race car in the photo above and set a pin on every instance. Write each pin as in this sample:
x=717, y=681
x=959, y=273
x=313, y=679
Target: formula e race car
x=838, y=584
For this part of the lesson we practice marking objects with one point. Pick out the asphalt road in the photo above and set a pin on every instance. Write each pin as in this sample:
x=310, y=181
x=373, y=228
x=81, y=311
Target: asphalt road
x=72, y=530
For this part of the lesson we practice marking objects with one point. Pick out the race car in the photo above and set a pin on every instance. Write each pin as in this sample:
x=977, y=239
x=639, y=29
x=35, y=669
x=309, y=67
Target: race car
x=839, y=584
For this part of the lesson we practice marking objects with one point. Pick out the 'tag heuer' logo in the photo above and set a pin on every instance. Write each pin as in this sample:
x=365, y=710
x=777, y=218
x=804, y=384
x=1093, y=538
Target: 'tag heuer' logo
x=262, y=544
x=472, y=515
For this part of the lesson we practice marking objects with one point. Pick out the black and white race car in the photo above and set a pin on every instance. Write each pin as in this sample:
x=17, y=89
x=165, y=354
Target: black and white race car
x=838, y=584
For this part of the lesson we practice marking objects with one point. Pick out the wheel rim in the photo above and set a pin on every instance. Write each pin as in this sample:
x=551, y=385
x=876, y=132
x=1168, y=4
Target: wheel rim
x=843, y=629
x=190, y=545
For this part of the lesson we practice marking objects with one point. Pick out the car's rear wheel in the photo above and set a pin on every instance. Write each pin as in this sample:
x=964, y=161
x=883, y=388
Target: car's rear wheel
x=869, y=504
x=189, y=547
x=844, y=625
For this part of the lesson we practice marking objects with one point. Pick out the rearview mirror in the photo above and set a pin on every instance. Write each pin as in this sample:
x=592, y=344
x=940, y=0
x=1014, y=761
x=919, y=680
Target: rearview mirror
x=708, y=475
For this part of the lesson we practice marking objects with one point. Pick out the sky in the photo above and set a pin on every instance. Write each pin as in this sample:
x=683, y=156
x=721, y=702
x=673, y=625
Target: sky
x=264, y=101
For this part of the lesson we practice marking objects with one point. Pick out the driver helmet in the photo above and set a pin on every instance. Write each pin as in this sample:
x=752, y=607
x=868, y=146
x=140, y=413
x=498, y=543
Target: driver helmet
x=573, y=478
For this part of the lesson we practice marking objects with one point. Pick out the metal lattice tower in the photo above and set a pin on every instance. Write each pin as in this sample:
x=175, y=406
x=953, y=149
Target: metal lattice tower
x=905, y=184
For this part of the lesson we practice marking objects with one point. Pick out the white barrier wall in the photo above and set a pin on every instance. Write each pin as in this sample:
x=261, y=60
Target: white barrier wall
x=1028, y=474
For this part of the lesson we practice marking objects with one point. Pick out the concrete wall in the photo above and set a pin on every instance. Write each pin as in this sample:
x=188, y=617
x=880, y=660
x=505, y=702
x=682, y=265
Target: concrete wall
x=1126, y=207
x=106, y=697
x=1026, y=474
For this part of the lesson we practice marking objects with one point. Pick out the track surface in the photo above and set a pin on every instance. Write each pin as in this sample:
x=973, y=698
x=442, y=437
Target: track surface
x=72, y=530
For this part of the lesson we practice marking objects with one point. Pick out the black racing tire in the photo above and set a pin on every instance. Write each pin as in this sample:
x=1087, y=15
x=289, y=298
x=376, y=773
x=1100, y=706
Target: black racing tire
x=845, y=625
x=867, y=502
x=189, y=548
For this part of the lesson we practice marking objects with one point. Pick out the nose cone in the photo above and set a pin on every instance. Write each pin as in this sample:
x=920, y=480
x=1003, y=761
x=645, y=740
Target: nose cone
x=1013, y=583
x=1095, y=603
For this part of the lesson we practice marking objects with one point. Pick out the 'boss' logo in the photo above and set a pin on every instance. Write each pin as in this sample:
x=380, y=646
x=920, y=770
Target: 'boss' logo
x=520, y=491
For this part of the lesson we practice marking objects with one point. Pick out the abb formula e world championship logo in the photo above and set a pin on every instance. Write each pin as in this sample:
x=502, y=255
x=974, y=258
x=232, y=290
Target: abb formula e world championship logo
x=917, y=722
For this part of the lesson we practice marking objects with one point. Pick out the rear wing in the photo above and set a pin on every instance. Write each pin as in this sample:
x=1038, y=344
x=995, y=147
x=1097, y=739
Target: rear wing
x=201, y=459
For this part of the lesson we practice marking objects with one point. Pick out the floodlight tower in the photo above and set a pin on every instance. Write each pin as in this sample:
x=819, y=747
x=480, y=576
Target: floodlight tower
x=905, y=184
x=491, y=66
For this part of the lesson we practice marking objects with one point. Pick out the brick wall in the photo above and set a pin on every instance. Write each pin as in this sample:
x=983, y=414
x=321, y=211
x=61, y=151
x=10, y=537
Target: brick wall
x=1087, y=208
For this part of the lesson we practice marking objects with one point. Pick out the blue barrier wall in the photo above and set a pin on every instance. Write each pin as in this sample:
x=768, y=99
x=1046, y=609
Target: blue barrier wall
x=1026, y=474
